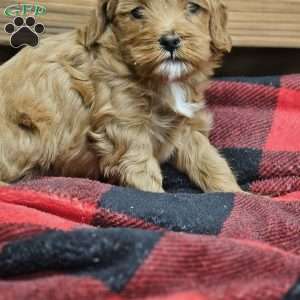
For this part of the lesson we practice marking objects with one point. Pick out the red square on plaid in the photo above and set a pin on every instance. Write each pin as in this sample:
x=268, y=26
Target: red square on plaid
x=242, y=114
x=285, y=131
x=291, y=82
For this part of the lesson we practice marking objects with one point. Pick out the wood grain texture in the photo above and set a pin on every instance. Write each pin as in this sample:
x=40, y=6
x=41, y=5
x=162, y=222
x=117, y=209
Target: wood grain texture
x=253, y=23
x=267, y=23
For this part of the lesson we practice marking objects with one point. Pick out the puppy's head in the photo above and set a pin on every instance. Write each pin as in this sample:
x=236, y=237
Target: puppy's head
x=168, y=39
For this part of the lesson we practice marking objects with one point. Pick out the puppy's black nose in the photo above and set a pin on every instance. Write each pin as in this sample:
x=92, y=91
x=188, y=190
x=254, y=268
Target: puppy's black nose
x=170, y=42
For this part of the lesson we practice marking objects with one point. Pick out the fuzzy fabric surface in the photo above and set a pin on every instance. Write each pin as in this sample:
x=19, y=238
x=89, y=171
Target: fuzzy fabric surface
x=63, y=238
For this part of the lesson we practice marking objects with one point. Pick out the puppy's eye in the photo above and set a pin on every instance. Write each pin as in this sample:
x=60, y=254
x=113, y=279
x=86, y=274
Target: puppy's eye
x=138, y=12
x=194, y=8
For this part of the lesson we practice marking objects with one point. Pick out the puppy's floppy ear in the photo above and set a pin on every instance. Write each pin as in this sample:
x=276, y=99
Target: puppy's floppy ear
x=221, y=40
x=100, y=19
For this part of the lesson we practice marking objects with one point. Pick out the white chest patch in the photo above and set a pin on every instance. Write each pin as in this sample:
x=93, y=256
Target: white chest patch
x=181, y=105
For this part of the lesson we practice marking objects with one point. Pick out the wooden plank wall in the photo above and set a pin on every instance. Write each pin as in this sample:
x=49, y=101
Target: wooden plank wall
x=265, y=23
x=252, y=23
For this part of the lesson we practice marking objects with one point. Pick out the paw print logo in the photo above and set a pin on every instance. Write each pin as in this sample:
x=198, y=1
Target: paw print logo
x=24, y=32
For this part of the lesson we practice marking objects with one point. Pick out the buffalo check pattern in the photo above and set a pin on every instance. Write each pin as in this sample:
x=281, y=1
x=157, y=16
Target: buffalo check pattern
x=64, y=238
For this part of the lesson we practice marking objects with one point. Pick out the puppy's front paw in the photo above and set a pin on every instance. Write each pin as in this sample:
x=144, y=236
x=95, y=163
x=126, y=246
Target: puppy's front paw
x=148, y=184
x=225, y=186
x=145, y=182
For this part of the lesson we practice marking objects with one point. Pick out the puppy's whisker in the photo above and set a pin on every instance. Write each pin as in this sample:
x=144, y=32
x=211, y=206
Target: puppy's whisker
x=173, y=55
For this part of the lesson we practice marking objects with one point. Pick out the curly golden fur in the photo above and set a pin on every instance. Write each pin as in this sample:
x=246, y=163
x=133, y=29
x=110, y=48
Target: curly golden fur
x=108, y=101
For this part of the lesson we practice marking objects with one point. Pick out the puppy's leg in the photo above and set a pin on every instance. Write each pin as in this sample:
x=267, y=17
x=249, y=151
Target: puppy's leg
x=19, y=152
x=204, y=165
x=141, y=171
x=126, y=155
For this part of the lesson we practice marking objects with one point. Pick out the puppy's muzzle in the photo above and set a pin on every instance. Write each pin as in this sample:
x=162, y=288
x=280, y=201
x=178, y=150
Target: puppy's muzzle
x=170, y=42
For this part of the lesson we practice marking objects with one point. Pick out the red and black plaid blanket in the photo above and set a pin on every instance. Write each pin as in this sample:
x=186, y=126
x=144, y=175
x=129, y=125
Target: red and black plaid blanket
x=77, y=239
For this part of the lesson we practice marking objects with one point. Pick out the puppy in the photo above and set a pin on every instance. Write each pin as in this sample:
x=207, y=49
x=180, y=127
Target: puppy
x=118, y=97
